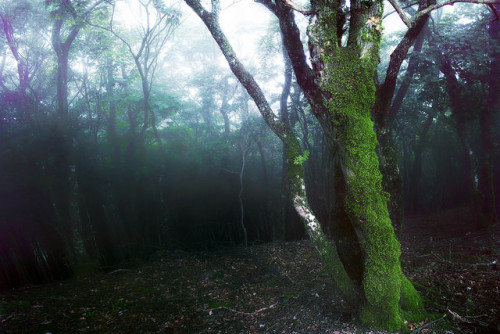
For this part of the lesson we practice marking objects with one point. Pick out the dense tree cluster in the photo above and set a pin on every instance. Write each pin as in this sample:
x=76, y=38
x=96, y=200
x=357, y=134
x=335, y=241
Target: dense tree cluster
x=88, y=179
x=118, y=140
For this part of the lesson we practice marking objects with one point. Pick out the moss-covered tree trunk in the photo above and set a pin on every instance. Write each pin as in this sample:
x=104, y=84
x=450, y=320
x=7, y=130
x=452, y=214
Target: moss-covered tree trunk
x=344, y=68
x=348, y=80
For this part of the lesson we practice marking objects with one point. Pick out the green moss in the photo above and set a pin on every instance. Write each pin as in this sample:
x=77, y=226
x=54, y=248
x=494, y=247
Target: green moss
x=410, y=298
x=300, y=159
x=374, y=317
x=348, y=80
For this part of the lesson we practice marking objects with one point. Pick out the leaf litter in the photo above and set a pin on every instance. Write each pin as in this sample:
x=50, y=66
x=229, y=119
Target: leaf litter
x=278, y=287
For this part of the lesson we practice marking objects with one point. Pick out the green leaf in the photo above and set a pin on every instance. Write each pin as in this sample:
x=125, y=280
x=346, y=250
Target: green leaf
x=299, y=160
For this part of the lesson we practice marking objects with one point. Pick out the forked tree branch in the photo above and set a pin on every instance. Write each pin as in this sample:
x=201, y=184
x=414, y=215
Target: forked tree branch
x=451, y=2
x=404, y=17
x=409, y=22
x=298, y=8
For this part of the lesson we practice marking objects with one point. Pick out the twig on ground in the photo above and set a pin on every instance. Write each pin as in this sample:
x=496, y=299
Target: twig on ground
x=118, y=271
x=244, y=313
x=463, y=263
x=456, y=316
x=417, y=330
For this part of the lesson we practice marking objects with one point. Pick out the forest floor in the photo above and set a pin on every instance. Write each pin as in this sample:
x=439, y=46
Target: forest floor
x=271, y=288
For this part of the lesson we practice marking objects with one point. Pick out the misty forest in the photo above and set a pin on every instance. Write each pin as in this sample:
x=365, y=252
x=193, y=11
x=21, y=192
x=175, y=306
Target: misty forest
x=237, y=166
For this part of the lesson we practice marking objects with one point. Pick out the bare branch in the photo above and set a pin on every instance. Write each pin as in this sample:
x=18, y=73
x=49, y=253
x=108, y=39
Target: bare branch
x=298, y=8
x=404, y=17
x=495, y=11
x=451, y=2
x=244, y=77
x=404, y=7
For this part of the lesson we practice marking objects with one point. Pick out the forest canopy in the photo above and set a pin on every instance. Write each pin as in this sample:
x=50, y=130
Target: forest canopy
x=131, y=127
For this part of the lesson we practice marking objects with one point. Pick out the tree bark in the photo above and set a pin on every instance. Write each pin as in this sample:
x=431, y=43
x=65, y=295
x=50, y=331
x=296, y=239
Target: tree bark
x=22, y=67
x=489, y=215
x=410, y=71
x=460, y=114
x=345, y=74
x=383, y=116
x=291, y=223
x=416, y=171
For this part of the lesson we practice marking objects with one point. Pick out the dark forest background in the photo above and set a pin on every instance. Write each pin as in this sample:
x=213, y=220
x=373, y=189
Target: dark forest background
x=118, y=143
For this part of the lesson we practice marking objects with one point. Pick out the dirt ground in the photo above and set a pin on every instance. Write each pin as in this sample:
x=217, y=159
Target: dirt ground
x=271, y=288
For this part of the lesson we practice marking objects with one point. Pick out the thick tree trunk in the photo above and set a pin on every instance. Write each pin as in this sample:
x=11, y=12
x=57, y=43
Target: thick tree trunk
x=366, y=203
x=346, y=81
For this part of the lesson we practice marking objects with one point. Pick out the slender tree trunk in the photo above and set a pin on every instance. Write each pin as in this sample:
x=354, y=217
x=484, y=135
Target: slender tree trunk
x=460, y=115
x=410, y=71
x=111, y=120
x=62, y=137
x=62, y=84
x=243, y=151
x=291, y=224
x=383, y=116
x=22, y=67
x=416, y=171
x=267, y=219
